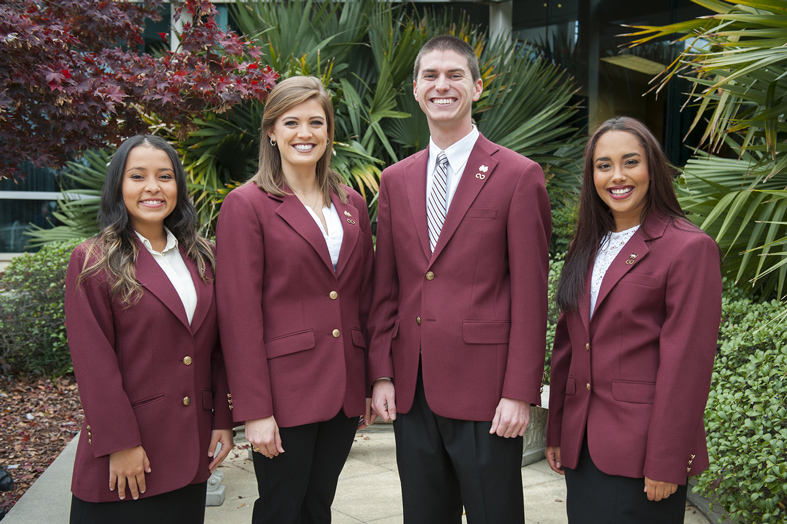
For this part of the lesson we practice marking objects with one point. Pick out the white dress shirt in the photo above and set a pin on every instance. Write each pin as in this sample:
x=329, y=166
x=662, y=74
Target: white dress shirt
x=610, y=246
x=174, y=267
x=457, y=153
x=334, y=235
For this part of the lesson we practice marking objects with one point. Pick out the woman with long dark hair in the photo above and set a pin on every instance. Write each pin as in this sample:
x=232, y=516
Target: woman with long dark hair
x=640, y=295
x=293, y=281
x=142, y=329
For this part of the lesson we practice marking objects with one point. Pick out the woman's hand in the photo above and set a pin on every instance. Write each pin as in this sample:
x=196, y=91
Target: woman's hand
x=223, y=437
x=658, y=490
x=553, y=457
x=128, y=468
x=263, y=434
x=369, y=417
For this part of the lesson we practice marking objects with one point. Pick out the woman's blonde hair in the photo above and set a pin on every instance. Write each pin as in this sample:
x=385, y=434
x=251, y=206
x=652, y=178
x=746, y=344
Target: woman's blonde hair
x=286, y=95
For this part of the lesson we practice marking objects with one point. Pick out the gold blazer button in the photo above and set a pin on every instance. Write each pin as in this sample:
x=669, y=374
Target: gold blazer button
x=336, y=333
x=429, y=276
x=186, y=401
x=187, y=360
x=334, y=295
x=418, y=320
x=588, y=386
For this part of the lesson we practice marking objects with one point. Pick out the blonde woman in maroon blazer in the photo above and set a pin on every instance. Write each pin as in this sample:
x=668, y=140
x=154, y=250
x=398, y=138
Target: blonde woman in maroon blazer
x=143, y=333
x=633, y=355
x=294, y=287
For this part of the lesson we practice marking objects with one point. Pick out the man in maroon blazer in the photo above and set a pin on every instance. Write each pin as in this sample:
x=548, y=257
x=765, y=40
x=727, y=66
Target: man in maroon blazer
x=459, y=313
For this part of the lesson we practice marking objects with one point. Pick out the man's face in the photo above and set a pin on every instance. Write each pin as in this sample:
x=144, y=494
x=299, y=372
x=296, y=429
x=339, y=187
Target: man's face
x=445, y=89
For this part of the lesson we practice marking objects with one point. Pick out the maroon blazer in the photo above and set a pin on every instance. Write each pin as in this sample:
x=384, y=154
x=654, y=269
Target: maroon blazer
x=293, y=329
x=145, y=377
x=475, y=309
x=637, y=375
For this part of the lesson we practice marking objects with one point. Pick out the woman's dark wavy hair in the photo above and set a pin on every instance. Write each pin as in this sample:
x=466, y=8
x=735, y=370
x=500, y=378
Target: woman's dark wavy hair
x=595, y=219
x=114, y=250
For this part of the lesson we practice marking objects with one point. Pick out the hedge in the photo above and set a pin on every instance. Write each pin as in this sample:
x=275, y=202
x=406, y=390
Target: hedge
x=32, y=317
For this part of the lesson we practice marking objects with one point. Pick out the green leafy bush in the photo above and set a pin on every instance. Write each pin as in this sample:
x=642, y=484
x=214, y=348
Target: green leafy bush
x=32, y=316
x=555, y=267
x=746, y=416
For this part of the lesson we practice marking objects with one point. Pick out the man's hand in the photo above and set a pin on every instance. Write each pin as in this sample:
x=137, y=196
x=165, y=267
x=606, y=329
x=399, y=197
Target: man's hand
x=127, y=468
x=263, y=434
x=384, y=399
x=553, y=457
x=511, y=418
x=658, y=490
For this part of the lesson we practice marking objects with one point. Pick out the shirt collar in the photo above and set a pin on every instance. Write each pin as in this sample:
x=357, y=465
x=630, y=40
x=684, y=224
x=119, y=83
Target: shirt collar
x=457, y=153
x=172, y=242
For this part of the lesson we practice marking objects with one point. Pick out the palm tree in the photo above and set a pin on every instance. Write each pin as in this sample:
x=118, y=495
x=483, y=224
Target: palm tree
x=736, y=60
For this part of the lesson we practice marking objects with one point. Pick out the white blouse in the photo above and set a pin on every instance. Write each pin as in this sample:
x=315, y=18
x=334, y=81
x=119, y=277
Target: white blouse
x=610, y=246
x=334, y=235
x=170, y=260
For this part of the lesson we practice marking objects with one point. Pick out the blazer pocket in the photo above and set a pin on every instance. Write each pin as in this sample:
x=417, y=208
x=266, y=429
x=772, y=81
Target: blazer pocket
x=395, y=330
x=358, y=338
x=207, y=399
x=146, y=401
x=634, y=392
x=481, y=212
x=642, y=280
x=571, y=386
x=486, y=332
x=290, y=343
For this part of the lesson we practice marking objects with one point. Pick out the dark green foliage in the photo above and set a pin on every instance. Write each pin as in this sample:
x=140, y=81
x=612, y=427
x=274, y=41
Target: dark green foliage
x=32, y=317
x=746, y=416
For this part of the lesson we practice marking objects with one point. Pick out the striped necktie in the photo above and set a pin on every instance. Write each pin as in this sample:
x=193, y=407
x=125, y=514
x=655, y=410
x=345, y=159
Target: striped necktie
x=436, y=206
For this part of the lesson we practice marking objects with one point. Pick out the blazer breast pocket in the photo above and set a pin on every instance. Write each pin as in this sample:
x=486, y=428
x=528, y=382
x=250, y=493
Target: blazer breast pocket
x=641, y=280
x=290, y=343
x=481, y=212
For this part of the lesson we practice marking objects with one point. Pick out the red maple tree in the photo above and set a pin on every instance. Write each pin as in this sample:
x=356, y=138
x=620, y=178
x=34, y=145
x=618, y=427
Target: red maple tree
x=73, y=75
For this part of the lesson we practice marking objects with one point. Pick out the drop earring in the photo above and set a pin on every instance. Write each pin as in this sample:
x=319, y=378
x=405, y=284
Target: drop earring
x=272, y=141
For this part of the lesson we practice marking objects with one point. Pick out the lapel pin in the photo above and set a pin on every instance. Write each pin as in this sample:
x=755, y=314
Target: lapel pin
x=483, y=169
x=631, y=259
x=479, y=176
x=347, y=214
x=350, y=221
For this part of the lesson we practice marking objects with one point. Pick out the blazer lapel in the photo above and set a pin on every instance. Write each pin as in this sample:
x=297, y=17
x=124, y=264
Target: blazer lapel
x=584, y=301
x=348, y=214
x=295, y=214
x=204, y=290
x=479, y=168
x=150, y=275
x=416, y=193
x=632, y=253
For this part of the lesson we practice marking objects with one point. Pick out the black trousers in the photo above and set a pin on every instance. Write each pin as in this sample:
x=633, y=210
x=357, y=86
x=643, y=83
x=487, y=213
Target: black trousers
x=182, y=506
x=298, y=486
x=445, y=464
x=593, y=497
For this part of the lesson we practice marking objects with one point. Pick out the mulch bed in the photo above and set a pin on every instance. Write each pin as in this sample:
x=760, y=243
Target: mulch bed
x=38, y=417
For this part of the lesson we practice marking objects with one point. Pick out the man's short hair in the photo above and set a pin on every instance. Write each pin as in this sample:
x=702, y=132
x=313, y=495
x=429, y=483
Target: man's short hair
x=449, y=43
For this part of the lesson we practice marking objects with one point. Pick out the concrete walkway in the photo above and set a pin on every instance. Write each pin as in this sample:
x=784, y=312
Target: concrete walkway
x=368, y=489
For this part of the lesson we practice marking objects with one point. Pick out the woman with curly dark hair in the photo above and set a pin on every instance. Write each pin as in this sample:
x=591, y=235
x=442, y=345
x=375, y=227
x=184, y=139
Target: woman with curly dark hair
x=142, y=329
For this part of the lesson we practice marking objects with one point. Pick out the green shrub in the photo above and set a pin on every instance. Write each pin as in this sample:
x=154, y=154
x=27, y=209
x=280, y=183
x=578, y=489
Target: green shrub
x=746, y=415
x=555, y=267
x=32, y=317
